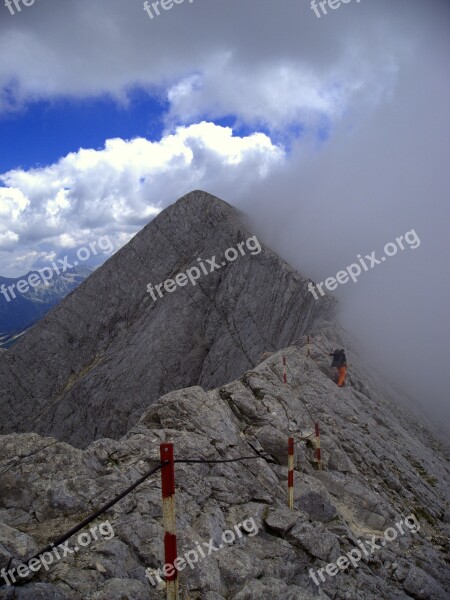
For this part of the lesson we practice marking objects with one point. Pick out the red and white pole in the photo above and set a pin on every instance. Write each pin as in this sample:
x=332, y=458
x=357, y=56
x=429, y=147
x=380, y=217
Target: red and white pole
x=169, y=521
x=291, y=473
x=318, y=451
x=284, y=370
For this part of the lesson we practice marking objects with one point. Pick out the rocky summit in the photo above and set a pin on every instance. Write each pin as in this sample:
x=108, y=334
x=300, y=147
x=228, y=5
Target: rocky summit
x=91, y=366
x=89, y=393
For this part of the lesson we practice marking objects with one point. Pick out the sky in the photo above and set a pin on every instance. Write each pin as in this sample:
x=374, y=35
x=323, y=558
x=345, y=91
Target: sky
x=331, y=134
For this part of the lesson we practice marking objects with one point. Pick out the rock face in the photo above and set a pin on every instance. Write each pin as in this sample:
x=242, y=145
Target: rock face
x=116, y=373
x=92, y=365
x=379, y=467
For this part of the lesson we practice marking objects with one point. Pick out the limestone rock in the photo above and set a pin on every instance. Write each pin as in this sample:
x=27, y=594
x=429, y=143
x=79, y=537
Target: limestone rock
x=281, y=520
x=92, y=365
x=116, y=374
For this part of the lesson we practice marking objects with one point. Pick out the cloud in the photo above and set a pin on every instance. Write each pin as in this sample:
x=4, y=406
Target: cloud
x=120, y=188
x=372, y=182
x=8, y=239
x=284, y=92
x=271, y=63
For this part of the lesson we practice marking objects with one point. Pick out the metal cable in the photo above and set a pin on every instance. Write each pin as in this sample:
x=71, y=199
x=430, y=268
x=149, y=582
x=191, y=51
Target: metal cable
x=61, y=539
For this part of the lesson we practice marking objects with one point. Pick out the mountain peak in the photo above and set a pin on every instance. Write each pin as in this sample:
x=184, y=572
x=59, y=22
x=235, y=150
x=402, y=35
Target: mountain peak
x=129, y=334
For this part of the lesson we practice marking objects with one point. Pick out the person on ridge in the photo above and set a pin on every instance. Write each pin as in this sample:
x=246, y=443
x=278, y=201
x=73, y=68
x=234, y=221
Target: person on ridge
x=340, y=362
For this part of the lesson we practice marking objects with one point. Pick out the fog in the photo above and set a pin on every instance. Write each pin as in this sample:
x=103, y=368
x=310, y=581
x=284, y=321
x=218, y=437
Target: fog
x=369, y=186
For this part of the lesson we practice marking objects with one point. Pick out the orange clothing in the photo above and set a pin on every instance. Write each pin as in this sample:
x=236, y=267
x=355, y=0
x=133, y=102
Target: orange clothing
x=342, y=374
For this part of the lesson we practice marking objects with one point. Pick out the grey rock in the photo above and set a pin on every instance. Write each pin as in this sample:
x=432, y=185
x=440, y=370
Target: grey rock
x=15, y=542
x=271, y=589
x=316, y=540
x=112, y=363
x=34, y=591
x=314, y=499
x=90, y=357
x=281, y=520
x=273, y=441
x=125, y=589
x=421, y=586
x=339, y=461
x=237, y=567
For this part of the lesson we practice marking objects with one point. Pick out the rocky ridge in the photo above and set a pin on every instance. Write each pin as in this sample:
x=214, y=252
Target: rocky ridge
x=379, y=467
x=90, y=392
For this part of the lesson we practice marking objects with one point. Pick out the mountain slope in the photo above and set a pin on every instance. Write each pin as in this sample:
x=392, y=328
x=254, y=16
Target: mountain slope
x=94, y=363
x=380, y=466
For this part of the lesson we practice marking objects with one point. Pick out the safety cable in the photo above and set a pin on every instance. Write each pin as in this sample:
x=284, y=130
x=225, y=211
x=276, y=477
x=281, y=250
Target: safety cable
x=228, y=460
x=61, y=539
x=317, y=346
x=96, y=514
x=311, y=339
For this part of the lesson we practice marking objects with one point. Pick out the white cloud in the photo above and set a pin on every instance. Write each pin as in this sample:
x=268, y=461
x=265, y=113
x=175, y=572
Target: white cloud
x=8, y=239
x=12, y=203
x=272, y=62
x=120, y=188
x=280, y=93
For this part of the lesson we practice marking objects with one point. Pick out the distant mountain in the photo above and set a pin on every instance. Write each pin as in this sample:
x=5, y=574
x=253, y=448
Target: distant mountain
x=19, y=313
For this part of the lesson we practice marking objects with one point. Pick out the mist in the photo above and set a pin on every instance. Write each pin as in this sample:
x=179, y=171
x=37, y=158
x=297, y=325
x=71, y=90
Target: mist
x=371, y=184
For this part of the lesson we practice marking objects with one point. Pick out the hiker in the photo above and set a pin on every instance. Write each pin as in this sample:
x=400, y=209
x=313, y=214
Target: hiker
x=340, y=362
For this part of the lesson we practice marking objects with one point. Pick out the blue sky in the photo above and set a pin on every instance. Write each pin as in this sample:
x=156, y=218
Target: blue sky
x=45, y=130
